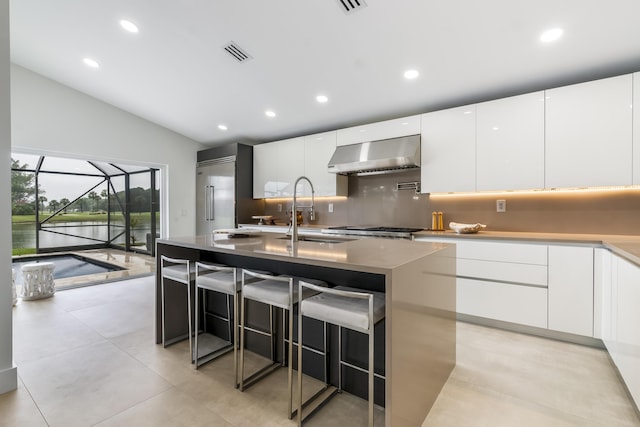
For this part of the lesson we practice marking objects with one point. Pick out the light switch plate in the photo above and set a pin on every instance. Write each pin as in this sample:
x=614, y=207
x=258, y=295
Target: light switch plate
x=501, y=205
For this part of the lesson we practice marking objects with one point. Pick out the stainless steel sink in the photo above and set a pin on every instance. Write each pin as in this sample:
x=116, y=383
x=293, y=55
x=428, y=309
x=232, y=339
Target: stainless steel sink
x=317, y=239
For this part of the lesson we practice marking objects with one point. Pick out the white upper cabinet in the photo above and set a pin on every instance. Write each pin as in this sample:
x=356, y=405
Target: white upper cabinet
x=318, y=150
x=589, y=134
x=448, y=149
x=636, y=128
x=265, y=180
x=380, y=130
x=290, y=154
x=510, y=143
x=276, y=166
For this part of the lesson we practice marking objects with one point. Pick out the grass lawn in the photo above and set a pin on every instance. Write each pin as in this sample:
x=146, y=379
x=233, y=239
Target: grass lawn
x=79, y=216
x=23, y=251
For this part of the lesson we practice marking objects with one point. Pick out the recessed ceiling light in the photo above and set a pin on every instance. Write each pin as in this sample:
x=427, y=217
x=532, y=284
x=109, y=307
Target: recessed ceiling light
x=129, y=26
x=222, y=127
x=551, y=35
x=321, y=99
x=411, y=74
x=270, y=113
x=91, y=63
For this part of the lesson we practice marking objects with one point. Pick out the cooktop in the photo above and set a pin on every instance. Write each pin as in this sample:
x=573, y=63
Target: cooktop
x=399, y=232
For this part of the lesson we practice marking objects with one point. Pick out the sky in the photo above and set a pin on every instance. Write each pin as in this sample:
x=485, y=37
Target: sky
x=58, y=186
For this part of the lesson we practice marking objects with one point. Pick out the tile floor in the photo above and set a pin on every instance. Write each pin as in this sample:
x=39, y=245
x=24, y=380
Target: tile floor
x=87, y=357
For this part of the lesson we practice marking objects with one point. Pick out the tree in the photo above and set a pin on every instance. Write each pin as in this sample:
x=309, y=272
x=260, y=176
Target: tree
x=23, y=189
x=104, y=205
x=64, y=202
x=94, y=199
x=41, y=200
x=53, y=205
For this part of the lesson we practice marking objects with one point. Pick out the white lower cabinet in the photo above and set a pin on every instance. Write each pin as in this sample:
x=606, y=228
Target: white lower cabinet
x=526, y=305
x=501, y=281
x=571, y=289
x=546, y=286
x=623, y=343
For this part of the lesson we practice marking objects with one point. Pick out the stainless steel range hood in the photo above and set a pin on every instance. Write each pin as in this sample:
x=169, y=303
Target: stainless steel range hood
x=375, y=157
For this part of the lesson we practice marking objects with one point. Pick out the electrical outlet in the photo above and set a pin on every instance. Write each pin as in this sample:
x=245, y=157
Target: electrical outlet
x=330, y=207
x=501, y=205
x=279, y=207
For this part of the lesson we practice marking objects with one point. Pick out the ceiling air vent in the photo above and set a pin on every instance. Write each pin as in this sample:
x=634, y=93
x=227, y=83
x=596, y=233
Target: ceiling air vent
x=237, y=52
x=350, y=6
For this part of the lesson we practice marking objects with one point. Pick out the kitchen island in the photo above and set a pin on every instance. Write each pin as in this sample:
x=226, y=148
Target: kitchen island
x=418, y=344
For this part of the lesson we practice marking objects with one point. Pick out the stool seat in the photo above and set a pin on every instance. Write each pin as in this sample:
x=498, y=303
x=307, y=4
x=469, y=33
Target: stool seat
x=347, y=312
x=221, y=281
x=177, y=272
x=273, y=292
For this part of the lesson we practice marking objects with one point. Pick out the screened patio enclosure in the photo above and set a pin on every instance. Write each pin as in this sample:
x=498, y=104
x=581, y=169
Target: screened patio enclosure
x=61, y=204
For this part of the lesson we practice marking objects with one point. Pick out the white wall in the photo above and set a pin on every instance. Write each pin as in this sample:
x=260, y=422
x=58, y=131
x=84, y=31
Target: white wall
x=8, y=372
x=50, y=118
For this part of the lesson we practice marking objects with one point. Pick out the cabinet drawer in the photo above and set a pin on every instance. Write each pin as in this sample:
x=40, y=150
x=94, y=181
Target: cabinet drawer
x=502, y=271
x=503, y=252
x=525, y=305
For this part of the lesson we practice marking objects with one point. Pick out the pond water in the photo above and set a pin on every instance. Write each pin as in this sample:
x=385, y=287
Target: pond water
x=24, y=234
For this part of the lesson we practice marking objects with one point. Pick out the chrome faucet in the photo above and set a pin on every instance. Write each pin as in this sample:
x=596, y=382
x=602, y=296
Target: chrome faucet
x=294, y=219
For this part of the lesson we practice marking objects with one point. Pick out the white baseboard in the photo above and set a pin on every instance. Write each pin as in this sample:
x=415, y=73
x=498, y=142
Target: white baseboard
x=8, y=379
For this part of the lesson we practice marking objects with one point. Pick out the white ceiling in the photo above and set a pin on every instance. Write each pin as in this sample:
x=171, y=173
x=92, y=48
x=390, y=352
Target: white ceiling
x=174, y=72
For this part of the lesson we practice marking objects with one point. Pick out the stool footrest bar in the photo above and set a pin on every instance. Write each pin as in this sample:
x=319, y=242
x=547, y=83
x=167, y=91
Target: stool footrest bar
x=257, y=376
x=317, y=401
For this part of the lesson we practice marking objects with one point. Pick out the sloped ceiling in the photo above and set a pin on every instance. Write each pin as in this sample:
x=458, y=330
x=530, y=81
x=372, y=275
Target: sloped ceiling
x=175, y=71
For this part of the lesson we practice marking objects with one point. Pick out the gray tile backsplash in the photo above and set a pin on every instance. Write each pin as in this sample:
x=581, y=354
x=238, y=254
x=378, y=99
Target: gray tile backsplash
x=374, y=200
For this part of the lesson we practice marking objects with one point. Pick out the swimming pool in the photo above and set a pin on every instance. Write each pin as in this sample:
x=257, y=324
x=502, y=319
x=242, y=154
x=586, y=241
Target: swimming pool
x=66, y=265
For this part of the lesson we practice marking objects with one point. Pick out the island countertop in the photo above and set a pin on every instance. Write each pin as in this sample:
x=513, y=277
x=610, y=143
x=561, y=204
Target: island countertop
x=371, y=255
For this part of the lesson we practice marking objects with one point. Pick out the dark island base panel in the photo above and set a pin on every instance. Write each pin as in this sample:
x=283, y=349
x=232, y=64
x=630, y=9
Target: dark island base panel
x=354, y=344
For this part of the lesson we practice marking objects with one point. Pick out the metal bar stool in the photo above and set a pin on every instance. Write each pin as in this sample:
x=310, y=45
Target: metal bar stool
x=345, y=307
x=222, y=279
x=181, y=271
x=276, y=291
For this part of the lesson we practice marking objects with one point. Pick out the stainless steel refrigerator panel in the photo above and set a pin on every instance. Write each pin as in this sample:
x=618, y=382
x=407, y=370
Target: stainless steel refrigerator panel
x=215, y=197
